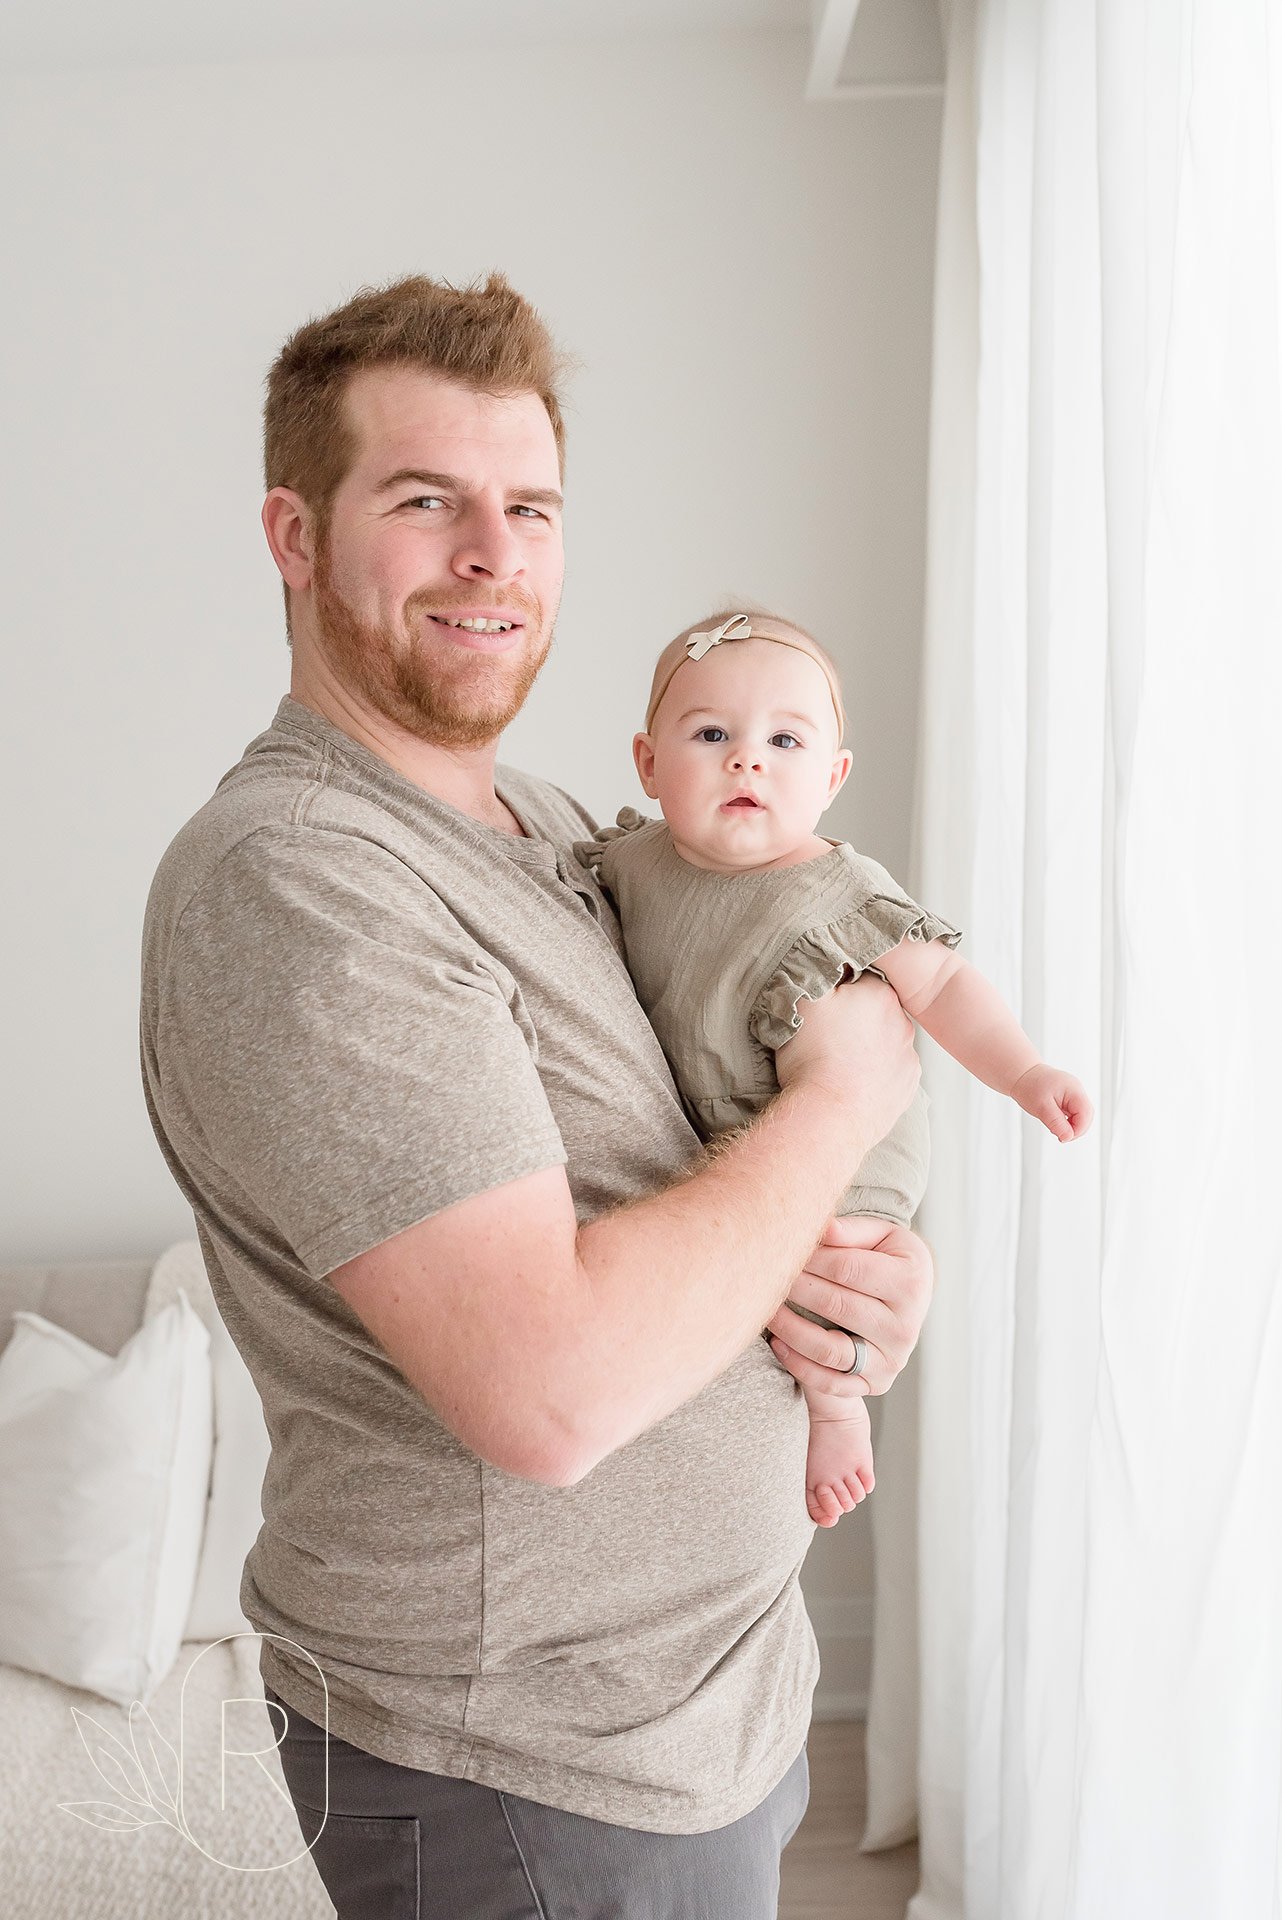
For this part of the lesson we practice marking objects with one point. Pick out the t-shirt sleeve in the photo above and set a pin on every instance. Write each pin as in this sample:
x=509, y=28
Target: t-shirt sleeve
x=340, y=1049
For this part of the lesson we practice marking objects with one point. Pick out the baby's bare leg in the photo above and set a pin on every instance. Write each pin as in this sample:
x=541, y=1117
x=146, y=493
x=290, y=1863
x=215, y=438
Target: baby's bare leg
x=839, y=1461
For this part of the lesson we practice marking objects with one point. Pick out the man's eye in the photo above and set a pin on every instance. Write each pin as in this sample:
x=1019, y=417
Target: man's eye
x=426, y=500
x=532, y=511
x=784, y=740
x=712, y=735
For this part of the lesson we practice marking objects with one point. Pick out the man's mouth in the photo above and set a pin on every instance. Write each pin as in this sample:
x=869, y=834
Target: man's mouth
x=483, y=630
x=472, y=623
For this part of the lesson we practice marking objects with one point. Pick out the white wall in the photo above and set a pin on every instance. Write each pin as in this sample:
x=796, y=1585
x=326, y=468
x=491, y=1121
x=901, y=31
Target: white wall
x=746, y=280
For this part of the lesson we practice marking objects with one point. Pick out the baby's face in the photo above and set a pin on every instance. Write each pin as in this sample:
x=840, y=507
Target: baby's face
x=743, y=756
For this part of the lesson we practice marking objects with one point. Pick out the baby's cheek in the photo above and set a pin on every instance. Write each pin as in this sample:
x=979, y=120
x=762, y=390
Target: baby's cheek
x=683, y=798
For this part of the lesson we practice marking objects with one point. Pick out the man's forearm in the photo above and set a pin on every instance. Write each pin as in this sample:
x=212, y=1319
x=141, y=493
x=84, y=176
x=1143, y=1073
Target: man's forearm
x=544, y=1345
x=676, y=1285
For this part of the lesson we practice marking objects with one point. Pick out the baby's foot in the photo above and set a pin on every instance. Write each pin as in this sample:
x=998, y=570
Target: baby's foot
x=839, y=1464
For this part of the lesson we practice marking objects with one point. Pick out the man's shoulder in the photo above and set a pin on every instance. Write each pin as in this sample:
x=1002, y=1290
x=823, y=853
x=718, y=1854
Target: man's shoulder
x=291, y=812
x=275, y=806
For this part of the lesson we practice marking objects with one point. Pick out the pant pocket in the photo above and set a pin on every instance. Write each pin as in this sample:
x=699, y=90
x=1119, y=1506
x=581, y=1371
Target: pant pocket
x=369, y=1863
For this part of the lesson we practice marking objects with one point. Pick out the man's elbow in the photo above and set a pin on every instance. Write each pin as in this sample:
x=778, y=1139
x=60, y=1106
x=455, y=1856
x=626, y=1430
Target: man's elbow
x=559, y=1470
x=546, y=1425
x=572, y=1456
x=550, y=1453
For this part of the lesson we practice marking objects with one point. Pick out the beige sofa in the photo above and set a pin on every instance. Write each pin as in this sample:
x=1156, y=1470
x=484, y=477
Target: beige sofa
x=54, y=1864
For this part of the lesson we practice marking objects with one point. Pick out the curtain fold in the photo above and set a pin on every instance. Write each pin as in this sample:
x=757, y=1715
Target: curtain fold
x=1099, y=1566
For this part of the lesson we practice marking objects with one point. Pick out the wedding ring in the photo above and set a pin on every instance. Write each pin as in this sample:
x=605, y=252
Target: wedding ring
x=861, y=1355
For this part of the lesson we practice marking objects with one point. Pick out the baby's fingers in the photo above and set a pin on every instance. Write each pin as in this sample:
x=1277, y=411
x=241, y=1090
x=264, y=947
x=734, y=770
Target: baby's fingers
x=1053, y=1116
x=1066, y=1113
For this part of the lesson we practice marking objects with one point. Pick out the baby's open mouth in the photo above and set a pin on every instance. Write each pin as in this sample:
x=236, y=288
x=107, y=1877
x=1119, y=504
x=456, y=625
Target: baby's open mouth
x=744, y=800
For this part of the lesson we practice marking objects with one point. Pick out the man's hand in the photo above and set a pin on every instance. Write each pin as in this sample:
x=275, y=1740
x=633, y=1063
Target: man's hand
x=856, y=1044
x=870, y=1276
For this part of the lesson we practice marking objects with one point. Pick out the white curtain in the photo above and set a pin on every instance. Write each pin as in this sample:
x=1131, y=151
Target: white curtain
x=1085, y=1583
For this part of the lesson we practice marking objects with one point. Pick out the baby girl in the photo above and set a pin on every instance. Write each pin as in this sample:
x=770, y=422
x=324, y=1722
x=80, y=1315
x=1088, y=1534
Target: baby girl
x=735, y=911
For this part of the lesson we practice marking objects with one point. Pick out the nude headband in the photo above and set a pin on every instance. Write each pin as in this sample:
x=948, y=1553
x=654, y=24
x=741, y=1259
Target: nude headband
x=739, y=627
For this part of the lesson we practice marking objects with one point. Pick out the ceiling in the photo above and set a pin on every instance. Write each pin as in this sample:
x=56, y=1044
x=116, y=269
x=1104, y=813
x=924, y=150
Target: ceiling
x=110, y=33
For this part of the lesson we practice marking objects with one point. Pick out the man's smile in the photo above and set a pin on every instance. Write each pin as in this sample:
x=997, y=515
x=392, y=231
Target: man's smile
x=488, y=632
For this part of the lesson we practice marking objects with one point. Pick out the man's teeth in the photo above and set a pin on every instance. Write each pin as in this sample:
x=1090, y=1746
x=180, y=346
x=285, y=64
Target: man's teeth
x=483, y=626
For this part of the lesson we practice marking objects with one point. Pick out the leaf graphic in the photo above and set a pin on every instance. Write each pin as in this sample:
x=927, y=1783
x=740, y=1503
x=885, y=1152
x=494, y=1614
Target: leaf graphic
x=113, y=1762
x=156, y=1758
x=112, y=1819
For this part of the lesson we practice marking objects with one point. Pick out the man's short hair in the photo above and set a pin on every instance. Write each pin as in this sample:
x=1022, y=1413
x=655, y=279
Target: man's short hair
x=485, y=336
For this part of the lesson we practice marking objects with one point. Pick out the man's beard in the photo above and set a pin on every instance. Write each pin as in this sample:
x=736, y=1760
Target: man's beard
x=454, y=698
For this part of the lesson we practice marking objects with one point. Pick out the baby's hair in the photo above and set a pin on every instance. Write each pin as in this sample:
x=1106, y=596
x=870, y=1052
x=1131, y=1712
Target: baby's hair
x=673, y=654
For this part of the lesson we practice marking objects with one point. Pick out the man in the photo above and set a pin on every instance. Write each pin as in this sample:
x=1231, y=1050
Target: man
x=535, y=1505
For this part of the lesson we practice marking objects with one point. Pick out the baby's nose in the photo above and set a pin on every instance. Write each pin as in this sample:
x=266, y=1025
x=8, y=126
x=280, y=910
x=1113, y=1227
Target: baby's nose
x=742, y=757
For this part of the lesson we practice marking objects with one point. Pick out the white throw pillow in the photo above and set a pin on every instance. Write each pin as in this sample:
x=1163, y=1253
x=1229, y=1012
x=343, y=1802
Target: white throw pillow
x=104, y=1466
x=241, y=1448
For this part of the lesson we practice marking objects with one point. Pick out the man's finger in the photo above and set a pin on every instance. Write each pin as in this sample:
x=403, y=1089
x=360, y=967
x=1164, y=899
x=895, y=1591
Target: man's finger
x=856, y=1230
x=856, y=1313
x=861, y=1270
x=893, y=1270
x=811, y=1373
x=829, y=1347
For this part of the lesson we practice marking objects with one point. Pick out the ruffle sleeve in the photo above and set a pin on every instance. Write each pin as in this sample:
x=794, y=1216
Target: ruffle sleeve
x=825, y=956
x=591, y=853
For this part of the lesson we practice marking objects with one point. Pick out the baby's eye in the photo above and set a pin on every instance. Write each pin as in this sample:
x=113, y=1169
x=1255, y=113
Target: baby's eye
x=712, y=735
x=785, y=740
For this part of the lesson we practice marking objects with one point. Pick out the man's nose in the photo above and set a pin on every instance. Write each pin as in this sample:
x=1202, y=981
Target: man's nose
x=487, y=547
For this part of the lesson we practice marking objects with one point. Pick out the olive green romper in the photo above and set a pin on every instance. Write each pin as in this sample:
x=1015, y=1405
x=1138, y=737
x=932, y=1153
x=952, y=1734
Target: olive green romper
x=720, y=962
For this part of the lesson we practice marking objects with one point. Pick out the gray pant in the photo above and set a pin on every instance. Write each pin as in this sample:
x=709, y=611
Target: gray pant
x=401, y=1844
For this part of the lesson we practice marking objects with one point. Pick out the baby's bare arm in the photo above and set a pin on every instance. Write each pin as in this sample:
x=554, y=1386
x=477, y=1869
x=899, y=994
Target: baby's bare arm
x=964, y=1011
x=961, y=1009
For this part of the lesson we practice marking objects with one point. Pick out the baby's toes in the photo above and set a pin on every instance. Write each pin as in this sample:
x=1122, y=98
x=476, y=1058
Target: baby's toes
x=824, y=1506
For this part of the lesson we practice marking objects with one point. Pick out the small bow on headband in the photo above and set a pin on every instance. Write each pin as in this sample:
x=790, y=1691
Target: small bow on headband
x=698, y=643
x=738, y=627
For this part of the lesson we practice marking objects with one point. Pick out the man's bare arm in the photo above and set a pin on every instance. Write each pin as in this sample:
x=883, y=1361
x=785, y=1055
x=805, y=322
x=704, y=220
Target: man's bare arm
x=545, y=1346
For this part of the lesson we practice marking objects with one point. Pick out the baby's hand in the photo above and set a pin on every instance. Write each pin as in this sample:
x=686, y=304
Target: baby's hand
x=1056, y=1099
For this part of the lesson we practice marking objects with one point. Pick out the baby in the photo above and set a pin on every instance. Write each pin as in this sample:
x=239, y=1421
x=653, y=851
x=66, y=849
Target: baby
x=735, y=911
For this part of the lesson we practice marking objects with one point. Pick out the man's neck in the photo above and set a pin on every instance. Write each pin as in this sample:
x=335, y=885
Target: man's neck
x=461, y=776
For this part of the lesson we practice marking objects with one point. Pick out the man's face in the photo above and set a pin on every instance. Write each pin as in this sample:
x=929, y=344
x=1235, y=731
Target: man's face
x=451, y=511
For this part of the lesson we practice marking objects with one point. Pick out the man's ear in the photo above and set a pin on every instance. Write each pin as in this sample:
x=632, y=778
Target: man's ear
x=643, y=754
x=291, y=535
x=841, y=766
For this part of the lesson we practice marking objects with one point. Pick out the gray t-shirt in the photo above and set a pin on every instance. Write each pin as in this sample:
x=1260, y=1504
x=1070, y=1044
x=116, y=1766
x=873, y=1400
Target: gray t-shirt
x=359, y=1006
